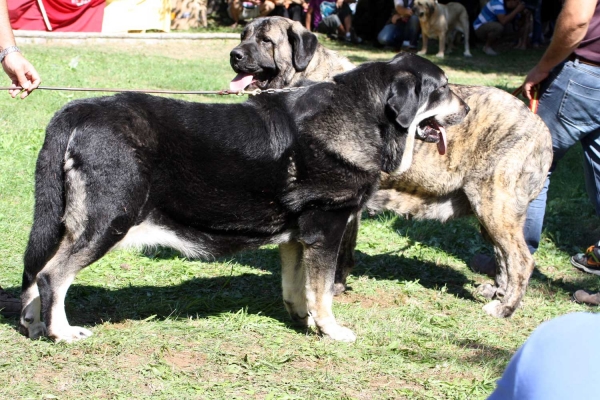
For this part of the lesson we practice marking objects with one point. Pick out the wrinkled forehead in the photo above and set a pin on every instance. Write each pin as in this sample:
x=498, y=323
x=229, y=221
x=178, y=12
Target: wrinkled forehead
x=268, y=28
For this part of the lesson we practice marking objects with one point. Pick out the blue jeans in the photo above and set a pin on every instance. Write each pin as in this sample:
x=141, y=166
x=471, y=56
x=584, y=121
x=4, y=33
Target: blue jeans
x=570, y=107
x=395, y=34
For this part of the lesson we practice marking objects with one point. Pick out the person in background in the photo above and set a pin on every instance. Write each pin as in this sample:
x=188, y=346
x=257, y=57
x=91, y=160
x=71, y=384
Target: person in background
x=402, y=26
x=489, y=25
x=338, y=22
x=569, y=77
x=23, y=74
x=243, y=10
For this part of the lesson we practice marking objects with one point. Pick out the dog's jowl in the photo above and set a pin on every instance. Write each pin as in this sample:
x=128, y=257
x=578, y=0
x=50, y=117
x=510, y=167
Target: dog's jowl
x=211, y=179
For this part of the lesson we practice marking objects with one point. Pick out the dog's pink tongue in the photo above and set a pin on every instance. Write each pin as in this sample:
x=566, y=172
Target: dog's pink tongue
x=240, y=82
x=442, y=144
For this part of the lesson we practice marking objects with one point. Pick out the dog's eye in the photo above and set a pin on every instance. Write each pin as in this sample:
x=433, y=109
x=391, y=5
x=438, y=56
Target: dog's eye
x=266, y=40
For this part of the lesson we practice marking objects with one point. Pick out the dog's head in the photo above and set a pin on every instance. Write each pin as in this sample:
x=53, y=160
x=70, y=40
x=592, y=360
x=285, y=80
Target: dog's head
x=272, y=50
x=424, y=8
x=421, y=101
x=417, y=100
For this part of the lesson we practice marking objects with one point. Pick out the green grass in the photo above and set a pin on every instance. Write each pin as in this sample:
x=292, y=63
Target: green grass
x=168, y=327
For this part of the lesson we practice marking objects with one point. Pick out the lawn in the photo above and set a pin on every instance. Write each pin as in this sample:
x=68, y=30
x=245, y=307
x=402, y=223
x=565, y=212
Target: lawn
x=168, y=327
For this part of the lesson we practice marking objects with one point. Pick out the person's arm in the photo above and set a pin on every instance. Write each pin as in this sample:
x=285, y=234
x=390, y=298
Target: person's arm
x=18, y=69
x=506, y=18
x=571, y=26
x=404, y=12
x=308, y=20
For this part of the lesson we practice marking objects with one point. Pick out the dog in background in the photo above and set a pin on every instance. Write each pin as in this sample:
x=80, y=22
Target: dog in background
x=495, y=163
x=442, y=21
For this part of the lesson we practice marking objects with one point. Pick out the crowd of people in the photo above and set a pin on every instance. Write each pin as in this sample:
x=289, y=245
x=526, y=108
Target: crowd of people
x=568, y=75
x=393, y=24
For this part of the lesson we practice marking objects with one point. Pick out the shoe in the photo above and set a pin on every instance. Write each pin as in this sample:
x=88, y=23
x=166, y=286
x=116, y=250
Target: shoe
x=583, y=296
x=489, y=51
x=10, y=306
x=354, y=37
x=588, y=261
x=348, y=37
x=483, y=264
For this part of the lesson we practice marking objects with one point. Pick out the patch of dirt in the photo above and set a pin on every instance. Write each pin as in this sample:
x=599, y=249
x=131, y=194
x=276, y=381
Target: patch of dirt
x=185, y=360
x=381, y=298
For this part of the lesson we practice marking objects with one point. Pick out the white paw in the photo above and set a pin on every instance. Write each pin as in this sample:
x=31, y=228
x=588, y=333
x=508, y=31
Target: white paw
x=340, y=334
x=494, y=308
x=440, y=55
x=36, y=330
x=70, y=334
x=467, y=54
x=421, y=52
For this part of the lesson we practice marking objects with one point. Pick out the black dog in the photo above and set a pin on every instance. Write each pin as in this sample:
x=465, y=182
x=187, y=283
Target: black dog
x=211, y=179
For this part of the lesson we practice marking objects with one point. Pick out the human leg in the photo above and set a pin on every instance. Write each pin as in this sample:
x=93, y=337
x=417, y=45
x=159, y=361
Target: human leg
x=489, y=33
x=389, y=36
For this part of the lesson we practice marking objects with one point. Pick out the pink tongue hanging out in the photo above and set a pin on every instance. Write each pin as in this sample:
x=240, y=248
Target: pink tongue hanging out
x=240, y=82
x=441, y=145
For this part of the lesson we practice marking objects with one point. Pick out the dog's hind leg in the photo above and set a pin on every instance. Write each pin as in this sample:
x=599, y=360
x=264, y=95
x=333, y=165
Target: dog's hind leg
x=321, y=234
x=514, y=263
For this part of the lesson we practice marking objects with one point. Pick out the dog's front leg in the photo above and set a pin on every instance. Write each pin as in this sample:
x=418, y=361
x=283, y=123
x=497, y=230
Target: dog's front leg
x=423, y=50
x=346, y=260
x=442, y=48
x=321, y=234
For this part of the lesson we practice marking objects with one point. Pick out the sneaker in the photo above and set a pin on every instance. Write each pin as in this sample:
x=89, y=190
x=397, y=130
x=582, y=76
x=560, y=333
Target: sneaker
x=10, y=306
x=483, y=264
x=588, y=261
x=583, y=296
x=489, y=51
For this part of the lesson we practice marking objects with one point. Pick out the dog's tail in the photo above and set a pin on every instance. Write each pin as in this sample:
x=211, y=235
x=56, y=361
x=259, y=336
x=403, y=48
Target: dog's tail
x=47, y=229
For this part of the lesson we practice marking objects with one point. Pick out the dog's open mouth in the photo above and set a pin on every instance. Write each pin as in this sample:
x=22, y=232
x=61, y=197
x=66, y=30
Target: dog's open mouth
x=429, y=130
x=250, y=81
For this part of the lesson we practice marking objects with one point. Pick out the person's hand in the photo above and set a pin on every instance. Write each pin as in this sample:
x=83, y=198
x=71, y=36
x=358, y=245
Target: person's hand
x=405, y=13
x=339, y=3
x=21, y=73
x=520, y=7
x=534, y=77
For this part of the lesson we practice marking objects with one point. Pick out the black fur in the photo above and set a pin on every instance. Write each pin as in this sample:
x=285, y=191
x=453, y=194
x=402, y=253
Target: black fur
x=285, y=168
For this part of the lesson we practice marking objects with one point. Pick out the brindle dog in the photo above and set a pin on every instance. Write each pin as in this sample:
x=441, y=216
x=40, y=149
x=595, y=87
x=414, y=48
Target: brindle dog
x=496, y=162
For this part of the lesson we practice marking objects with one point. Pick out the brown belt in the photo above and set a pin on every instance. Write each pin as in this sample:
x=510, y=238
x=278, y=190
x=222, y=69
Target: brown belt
x=575, y=57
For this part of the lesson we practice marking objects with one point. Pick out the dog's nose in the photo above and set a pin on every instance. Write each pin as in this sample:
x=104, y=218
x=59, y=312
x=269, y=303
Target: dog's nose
x=236, y=54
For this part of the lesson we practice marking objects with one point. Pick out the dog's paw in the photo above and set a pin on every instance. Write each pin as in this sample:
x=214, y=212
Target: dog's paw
x=440, y=55
x=340, y=334
x=467, y=54
x=421, y=52
x=338, y=288
x=69, y=334
x=486, y=290
x=34, y=330
x=498, y=309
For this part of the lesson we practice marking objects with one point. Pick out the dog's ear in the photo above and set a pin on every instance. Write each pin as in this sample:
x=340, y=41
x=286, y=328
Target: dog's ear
x=404, y=99
x=304, y=44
